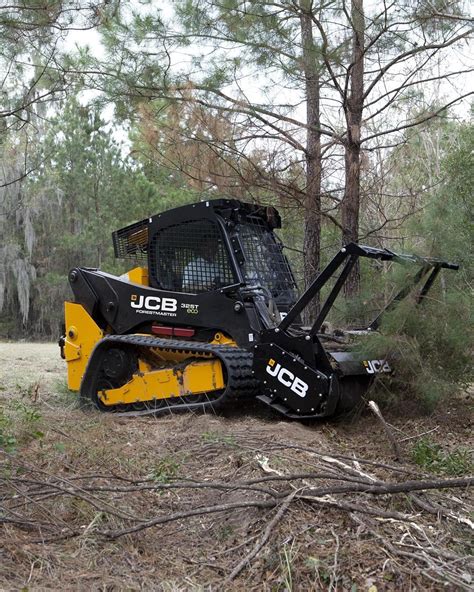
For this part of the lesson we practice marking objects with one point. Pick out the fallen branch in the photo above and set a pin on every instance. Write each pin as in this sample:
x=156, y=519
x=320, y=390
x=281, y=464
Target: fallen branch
x=441, y=567
x=266, y=535
x=438, y=510
x=403, y=487
x=396, y=448
x=314, y=495
x=114, y=534
x=363, y=461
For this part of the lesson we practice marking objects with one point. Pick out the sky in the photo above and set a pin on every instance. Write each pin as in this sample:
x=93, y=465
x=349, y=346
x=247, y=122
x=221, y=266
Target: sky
x=252, y=85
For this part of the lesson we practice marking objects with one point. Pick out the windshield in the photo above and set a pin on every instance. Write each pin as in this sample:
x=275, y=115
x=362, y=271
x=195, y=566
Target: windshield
x=265, y=264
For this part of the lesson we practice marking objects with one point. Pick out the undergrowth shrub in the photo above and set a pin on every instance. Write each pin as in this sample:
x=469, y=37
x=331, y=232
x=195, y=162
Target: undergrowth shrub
x=428, y=345
x=8, y=440
x=431, y=456
x=165, y=470
x=19, y=424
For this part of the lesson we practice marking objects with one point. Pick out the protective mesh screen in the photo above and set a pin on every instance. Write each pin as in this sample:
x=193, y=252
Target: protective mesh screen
x=131, y=242
x=191, y=257
x=265, y=264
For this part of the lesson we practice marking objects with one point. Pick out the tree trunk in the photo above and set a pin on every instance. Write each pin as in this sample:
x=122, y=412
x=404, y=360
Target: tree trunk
x=312, y=201
x=354, y=105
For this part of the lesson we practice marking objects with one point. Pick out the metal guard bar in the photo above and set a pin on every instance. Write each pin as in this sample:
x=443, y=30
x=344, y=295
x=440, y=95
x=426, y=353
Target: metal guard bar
x=387, y=255
x=354, y=250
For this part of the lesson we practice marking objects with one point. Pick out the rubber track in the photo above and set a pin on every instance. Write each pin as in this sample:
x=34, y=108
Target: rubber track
x=237, y=363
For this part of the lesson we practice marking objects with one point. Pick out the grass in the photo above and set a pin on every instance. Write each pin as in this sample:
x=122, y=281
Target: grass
x=63, y=396
x=20, y=423
x=287, y=565
x=8, y=440
x=431, y=456
x=218, y=438
x=165, y=470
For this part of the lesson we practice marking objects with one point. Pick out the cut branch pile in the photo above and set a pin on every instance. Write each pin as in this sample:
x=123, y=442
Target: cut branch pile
x=388, y=503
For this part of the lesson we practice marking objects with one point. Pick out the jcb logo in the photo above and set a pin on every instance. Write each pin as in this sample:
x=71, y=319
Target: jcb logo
x=154, y=303
x=376, y=366
x=287, y=378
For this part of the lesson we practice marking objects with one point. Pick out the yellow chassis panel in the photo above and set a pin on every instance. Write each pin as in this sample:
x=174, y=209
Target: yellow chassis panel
x=204, y=374
x=195, y=378
x=82, y=334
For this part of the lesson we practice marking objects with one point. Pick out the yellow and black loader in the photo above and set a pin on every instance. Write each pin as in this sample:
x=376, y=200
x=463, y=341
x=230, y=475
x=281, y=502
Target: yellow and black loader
x=211, y=316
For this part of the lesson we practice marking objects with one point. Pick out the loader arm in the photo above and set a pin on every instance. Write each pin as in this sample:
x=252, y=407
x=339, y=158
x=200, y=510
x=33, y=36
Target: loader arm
x=348, y=255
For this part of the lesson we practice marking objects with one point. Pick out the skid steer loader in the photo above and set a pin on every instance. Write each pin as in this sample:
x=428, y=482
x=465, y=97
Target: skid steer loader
x=211, y=316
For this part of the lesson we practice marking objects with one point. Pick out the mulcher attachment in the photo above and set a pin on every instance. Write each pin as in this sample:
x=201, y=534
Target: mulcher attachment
x=304, y=376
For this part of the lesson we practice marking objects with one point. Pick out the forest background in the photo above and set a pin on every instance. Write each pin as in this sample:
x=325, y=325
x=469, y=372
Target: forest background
x=354, y=119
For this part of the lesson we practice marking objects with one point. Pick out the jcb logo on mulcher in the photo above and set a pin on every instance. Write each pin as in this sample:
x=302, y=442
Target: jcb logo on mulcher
x=376, y=366
x=152, y=304
x=287, y=378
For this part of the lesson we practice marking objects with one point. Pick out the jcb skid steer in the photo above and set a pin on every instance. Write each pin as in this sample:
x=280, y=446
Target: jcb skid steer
x=212, y=316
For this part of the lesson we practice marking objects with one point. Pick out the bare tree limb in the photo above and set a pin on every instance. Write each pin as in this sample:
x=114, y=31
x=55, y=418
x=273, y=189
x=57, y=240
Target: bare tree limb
x=264, y=539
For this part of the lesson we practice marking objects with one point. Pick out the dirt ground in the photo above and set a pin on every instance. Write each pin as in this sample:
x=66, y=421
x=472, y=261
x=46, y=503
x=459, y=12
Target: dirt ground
x=73, y=481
